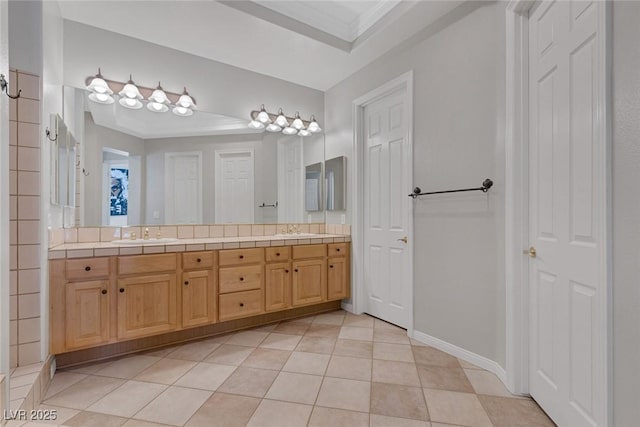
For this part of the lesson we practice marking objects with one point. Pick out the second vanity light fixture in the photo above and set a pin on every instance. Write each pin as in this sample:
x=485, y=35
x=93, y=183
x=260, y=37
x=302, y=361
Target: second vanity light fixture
x=131, y=97
x=281, y=123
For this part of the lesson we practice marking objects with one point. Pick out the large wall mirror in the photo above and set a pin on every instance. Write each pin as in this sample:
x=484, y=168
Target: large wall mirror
x=140, y=167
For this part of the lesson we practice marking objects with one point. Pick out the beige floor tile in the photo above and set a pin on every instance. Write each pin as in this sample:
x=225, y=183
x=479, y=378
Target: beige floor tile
x=292, y=328
x=281, y=341
x=351, y=348
x=62, y=414
x=381, y=324
x=353, y=368
x=322, y=345
x=322, y=330
x=353, y=333
x=360, y=321
x=445, y=425
x=506, y=412
x=174, y=406
x=292, y=387
x=160, y=352
x=434, y=357
x=224, y=410
x=228, y=354
x=329, y=319
x=165, y=371
x=388, y=351
x=127, y=367
x=84, y=392
x=247, y=338
x=88, y=368
x=306, y=319
x=403, y=373
x=195, y=351
x=452, y=407
x=84, y=419
x=393, y=336
x=384, y=421
x=345, y=394
x=128, y=399
x=206, y=376
x=271, y=413
x=265, y=328
x=441, y=378
x=395, y=400
x=219, y=339
x=307, y=363
x=266, y=358
x=249, y=382
x=417, y=343
x=485, y=382
x=139, y=423
x=61, y=381
x=323, y=417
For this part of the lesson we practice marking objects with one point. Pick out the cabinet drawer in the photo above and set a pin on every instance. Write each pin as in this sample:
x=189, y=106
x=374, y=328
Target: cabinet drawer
x=87, y=268
x=194, y=260
x=278, y=254
x=241, y=256
x=337, y=249
x=309, y=251
x=147, y=264
x=234, y=279
x=240, y=304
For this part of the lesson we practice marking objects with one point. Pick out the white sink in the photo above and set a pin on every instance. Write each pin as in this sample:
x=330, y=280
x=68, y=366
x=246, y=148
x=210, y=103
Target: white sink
x=139, y=242
x=294, y=235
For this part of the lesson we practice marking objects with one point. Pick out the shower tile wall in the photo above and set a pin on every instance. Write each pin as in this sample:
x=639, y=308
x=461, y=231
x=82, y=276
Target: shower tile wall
x=25, y=238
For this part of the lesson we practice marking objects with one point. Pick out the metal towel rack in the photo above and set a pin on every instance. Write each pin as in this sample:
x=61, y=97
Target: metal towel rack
x=264, y=205
x=486, y=185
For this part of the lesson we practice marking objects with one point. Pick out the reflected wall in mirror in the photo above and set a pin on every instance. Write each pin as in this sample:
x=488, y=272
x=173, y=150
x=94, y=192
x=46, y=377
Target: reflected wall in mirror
x=313, y=187
x=149, y=168
x=63, y=163
x=335, y=183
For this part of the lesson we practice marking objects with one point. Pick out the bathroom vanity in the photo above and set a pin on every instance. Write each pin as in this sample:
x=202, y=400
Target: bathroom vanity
x=109, y=305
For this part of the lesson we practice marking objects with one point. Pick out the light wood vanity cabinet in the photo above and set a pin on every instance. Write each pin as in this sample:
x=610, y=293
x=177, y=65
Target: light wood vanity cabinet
x=106, y=300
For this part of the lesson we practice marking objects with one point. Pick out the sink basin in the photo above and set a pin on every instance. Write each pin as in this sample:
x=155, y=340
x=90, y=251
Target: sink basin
x=294, y=235
x=139, y=242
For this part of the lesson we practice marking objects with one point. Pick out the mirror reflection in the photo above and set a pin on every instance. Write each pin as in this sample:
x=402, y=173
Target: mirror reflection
x=142, y=167
x=336, y=185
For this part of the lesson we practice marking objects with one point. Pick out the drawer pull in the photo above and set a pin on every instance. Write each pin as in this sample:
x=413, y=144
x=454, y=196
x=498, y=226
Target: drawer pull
x=331, y=266
x=186, y=282
x=199, y=260
x=241, y=304
x=121, y=290
x=296, y=270
x=104, y=292
x=242, y=279
x=87, y=268
x=241, y=256
x=277, y=253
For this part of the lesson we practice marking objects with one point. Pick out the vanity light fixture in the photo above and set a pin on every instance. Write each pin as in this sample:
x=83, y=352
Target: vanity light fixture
x=100, y=90
x=261, y=119
x=158, y=101
x=130, y=96
x=185, y=105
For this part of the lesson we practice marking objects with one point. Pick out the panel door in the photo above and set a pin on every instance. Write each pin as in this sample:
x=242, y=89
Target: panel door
x=234, y=187
x=566, y=285
x=146, y=305
x=277, y=286
x=183, y=203
x=87, y=313
x=337, y=278
x=198, y=298
x=387, y=212
x=309, y=284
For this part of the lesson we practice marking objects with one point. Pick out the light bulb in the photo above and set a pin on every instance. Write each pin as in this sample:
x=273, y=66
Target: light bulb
x=297, y=123
x=131, y=103
x=254, y=124
x=99, y=85
x=185, y=100
x=101, y=98
x=263, y=116
x=100, y=89
x=182, y=111
x=281, y=120
x=273, y=128
x=314, y=127
x=156, y=106
x=289, y=131
x=304, y=132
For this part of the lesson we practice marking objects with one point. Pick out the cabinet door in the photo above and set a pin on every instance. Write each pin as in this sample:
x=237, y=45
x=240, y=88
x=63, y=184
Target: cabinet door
x=337, y=279
x=87, y=314
x=278, y=286
x=146, y=305
x=309, y=281
x=198, y=299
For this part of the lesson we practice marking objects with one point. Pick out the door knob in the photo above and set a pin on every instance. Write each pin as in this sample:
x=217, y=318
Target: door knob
x=404, y=239
x=531, y=252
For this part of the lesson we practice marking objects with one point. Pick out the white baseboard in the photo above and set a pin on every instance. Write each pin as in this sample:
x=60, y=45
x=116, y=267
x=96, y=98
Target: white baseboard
x=463, y=354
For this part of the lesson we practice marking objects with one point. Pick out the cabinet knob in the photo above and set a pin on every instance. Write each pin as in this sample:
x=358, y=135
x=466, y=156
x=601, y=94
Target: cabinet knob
x=277, y=253
x=104, y=292
x=286, y=271
x=242, y=279
x=186, y=282
x=199, y=260
x=121, y=290
x=87, y=268
x=241, y=256
x=337, y=249
x=241, y=304
x=331, y=266
x=296, y=270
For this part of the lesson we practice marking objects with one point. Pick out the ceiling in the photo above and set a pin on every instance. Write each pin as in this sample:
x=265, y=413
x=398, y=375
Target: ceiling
x=312, y=43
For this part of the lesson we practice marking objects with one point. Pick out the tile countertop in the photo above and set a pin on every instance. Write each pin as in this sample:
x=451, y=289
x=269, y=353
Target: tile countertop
x=84, y=250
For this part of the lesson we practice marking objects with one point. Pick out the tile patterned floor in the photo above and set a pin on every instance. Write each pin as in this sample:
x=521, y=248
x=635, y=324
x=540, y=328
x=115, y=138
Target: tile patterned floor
x=334, y=369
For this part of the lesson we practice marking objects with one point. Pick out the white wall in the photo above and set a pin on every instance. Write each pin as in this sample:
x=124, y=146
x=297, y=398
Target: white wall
x=25, y=36
x=626, y=212
x=458, y=67
x=217, y=87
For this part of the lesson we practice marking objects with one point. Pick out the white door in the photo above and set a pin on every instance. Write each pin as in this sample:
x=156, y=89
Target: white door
x=234, y=187
x=565, y=154
x=183, y=188
x=290, y=180
x=387, y=182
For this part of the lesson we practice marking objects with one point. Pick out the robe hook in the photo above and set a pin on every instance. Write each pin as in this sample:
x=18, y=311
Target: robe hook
x=4, y=86
x=48, y=133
